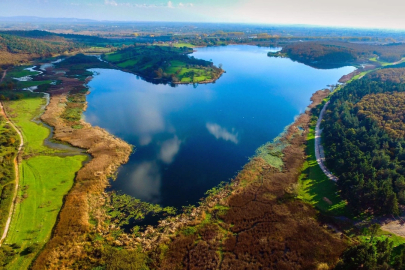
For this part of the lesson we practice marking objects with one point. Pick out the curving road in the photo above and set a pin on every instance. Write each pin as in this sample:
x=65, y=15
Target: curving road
x=17, y=175
x=319, y=152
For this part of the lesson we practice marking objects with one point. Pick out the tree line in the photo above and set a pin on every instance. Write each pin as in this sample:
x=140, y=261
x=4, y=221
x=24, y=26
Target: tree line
x=368, y=160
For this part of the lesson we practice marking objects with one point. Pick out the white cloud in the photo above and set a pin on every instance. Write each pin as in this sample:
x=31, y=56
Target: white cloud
x=222, y=133
x=169, y=150
x=186, y=5
x=110, y=2
x=170, y=4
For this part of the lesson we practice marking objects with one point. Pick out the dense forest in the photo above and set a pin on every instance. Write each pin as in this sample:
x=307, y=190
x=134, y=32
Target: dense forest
x=387, y=109
x=365, y=153
x=333, y=53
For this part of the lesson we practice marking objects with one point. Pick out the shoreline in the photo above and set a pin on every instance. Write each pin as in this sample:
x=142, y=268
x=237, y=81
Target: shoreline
x=108, y=153
x=71, y=229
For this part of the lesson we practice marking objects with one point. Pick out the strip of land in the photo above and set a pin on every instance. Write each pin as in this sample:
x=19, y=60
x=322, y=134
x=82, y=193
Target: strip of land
x=16, y=169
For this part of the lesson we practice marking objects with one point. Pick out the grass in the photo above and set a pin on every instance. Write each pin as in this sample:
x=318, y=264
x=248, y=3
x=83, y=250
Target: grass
x=97, y=50
x=113, y=57
x=32, y=83
x=179, y=45
x=18, y=72
x=384, y=64
x=44, y=181
x=21, y=113
x=314, y=185
x=127, y=63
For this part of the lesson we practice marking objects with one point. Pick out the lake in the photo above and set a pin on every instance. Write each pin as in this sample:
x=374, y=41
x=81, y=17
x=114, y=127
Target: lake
x=189, y=138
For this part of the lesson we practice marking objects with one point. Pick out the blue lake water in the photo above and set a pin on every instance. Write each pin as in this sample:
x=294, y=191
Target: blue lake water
x=190, y=138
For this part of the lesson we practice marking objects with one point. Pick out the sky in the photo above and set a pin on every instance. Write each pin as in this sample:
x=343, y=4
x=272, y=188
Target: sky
x=352, y=13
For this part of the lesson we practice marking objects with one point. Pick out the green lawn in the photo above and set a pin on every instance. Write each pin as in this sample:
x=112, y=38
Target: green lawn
x=314, y=186
x=43, y=183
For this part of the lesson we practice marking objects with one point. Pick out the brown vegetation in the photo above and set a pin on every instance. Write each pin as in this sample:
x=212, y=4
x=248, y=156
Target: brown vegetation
x=254, y=222
x=395, y=75
x=387, y=109
x=263, y=226
x=108, y=152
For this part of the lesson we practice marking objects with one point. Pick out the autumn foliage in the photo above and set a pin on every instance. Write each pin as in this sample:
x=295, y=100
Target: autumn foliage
x=264, y=226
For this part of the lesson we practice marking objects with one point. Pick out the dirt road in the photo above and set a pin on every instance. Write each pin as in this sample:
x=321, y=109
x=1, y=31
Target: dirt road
x=17, y=175
x=319, y=153
x=4, y=75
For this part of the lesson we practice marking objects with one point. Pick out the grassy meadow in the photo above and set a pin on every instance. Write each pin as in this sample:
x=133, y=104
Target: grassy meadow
x=43, y=183
x=18, y=72
x=21, y=113
x=315, y=187
x=44, y=180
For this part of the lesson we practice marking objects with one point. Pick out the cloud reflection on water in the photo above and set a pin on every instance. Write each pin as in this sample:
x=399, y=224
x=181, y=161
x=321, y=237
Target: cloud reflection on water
x=222, y=133
x=145, y=180
x=169, y=149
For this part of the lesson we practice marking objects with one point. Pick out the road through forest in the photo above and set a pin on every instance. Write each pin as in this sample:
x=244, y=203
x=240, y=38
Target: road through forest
x=319, y=152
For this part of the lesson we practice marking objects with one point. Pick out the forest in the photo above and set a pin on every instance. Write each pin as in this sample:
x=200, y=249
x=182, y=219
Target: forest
x=15, y=49
x=165, y=64
x=8, y=150
x=367, y=152
x=331, y=54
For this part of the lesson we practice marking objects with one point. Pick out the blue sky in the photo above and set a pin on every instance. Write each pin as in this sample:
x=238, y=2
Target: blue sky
x=356, y=13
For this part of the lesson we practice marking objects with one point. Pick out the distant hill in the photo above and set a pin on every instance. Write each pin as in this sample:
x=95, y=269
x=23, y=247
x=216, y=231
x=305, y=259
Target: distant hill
x=17, y=49
x=41, y=19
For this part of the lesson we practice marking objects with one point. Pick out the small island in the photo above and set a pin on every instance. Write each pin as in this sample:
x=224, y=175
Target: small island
x=164, y=64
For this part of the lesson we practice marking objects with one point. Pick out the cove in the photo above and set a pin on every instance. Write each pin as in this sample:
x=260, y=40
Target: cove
x=189, y=138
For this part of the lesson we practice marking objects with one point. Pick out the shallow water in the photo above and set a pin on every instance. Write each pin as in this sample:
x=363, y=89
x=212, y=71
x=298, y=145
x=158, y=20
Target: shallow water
x=190, y=138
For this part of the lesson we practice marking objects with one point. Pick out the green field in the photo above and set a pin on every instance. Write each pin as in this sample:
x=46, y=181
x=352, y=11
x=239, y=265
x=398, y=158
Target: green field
x=127, y=63
x=180, y=45
x=314, y=185
x=43, y=183
x=21, y=113
x=18, y=72
x=384, y=64
x=200, y=75
x=32, y=83
x=113, y=57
